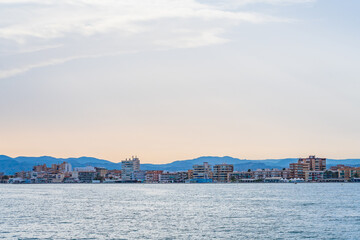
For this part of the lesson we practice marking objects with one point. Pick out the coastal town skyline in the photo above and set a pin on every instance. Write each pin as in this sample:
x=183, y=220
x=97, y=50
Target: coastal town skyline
x=309, y=169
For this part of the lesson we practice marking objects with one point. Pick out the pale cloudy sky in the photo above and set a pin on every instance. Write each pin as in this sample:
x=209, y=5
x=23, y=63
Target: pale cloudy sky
x=176, y=79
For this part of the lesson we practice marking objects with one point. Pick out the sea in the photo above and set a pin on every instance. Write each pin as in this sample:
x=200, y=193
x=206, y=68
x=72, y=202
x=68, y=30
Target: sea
x=180, y=211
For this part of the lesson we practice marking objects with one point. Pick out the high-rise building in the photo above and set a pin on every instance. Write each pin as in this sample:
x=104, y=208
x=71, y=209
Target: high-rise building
x=128, y=167
x=299, y=169
x=315, y=164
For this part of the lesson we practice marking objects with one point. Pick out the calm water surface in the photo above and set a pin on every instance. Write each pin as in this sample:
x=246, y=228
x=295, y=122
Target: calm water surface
x=180, y=211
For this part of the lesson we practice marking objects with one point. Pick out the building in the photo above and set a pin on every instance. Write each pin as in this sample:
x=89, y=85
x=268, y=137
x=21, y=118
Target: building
x=4, y=179
x=173, y=177
x=128, y=167
x=85, y=169
x=140, y=175
x=153, y=176
x=337, y=167
x=190, y=174
x=63, y=168
x=114, y=175
x=40, y=168
x=101, y=172
x=314, y=176
x=275, y=180
x=285, y=173
x=168, y=177
x=183, y=176
x=221, y=172
x=57, y=178
x=202, y=171
x=315, y=164
x=299, y=169
x=84, y=174
x=240, y=176
x=348, y=173
x=270, y=173
x=331, y=174
x=23, y=175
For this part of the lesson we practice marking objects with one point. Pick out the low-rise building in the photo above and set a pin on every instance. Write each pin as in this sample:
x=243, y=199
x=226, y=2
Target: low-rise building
x=101, y=172
x=57, y=178
x=331, y=174
x=114, y=175
x=63, y=167
x=84, y=174
x=190, y=174
x=40, y=168
x=168, y=177
x=202, y=171
x=140, y=175
x=275, y=180
x=297, y=170
x=25, y=175
x=240, y=176
x=182, y=176
x=348, y=173
x=153, y=176
x=270, y=173
x=314, y=176
x=173, y=177
x=337, y=167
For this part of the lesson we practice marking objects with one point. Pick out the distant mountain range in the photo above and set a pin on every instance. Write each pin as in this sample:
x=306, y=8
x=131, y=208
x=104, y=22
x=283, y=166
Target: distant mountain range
x=10, y=165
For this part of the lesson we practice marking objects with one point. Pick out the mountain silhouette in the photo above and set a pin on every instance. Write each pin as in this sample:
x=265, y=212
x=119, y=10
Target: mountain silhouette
x=10, y=165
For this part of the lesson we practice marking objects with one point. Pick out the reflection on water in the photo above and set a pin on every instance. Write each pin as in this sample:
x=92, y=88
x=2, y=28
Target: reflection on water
x=180, y=211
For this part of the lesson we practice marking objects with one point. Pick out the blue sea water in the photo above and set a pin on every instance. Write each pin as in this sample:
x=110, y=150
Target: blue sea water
x=180, y=211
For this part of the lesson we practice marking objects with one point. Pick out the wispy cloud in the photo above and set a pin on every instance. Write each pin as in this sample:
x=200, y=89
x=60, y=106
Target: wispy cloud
x=19, y=70
x=33, y=49
x=55, y=61
x=102, y=27
x=96, y=17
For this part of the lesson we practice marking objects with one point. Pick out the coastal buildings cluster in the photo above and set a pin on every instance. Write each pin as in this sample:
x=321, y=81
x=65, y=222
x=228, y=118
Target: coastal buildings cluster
x=311, y=169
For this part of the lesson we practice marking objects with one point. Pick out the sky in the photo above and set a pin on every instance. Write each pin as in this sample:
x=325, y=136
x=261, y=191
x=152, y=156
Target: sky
x=170, y=80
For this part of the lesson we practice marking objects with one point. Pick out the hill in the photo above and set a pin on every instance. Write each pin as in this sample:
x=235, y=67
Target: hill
x=10, y=165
